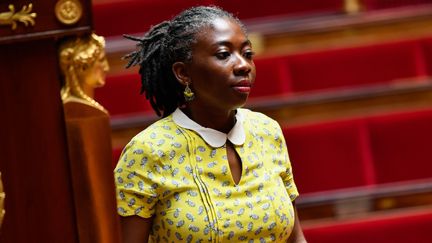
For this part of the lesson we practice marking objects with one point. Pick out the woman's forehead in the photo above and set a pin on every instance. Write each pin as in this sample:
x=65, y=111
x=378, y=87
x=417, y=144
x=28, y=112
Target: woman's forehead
x=221, y=30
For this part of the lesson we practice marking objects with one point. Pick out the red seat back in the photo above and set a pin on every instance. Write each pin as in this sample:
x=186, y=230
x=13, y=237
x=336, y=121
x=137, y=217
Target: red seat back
x=401, y=146
x=120, y=95
x=329, y=156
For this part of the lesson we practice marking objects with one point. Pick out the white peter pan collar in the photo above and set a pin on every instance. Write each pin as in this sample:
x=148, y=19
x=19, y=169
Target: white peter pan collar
x=213, y=137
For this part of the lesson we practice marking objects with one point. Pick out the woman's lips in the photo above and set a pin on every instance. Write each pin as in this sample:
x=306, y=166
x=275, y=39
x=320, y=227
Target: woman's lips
x=242, y=86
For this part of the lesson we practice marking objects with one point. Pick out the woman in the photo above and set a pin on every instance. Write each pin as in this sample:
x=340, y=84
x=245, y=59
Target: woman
x=208, y=170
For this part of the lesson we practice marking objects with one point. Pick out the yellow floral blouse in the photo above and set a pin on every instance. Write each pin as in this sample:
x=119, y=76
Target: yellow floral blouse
x=178, y=172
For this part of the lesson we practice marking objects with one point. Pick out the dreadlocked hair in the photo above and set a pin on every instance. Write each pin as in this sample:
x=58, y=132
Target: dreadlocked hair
x=163, y=45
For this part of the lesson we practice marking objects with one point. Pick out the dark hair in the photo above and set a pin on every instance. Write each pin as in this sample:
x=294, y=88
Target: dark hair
x=162, y=46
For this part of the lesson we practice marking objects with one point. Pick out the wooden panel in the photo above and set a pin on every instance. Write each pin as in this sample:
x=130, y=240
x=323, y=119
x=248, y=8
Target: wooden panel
x=89, y=145
x=34, y=164
x=46, y=23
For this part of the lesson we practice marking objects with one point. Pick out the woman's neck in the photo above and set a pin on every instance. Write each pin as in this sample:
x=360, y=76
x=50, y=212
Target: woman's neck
x=222, y=121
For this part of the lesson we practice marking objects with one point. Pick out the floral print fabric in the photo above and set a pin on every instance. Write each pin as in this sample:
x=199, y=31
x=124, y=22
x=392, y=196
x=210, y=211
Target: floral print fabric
x=170, y=173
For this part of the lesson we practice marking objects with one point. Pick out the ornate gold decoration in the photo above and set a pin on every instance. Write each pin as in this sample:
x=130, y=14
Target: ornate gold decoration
x=352, y=6
x=68, y=11
x=24, y=16
x=2, y=198
x=83, y=64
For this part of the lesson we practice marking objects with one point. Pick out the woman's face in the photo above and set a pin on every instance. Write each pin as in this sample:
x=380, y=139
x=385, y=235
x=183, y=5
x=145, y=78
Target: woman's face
x=222, y=70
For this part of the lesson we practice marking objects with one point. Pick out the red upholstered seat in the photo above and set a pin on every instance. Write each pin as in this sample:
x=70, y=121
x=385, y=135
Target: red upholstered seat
x=120, y=95
x=384, y=63
x=401, y=146
x=351, y=67
x=272, y=77
x=383, y=4
x=403, y=228
x=365, y=151
x=246, y=9
x=329, y=156
x=135, y=16
x=427, y=52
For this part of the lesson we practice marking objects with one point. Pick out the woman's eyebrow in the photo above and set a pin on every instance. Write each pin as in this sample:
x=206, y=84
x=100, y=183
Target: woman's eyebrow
x=228, y=43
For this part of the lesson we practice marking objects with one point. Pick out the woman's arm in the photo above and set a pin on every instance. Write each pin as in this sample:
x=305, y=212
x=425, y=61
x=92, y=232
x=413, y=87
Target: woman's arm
x=297, y=234
x=135, y=229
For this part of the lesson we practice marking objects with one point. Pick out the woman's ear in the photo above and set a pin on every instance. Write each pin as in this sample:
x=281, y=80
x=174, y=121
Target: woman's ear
x=180, y=72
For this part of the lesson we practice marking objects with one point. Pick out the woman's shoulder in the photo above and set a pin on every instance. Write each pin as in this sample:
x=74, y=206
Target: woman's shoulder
x=257, y=118
x=163, y=128
x=158, y=139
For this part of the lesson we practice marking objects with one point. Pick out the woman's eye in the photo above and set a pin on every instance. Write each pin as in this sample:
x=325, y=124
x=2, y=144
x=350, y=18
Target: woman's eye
x=222, y=55
x=249, y=55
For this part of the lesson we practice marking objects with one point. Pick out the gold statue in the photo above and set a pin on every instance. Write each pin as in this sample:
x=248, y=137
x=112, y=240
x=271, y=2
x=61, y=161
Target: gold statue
x=83, y=64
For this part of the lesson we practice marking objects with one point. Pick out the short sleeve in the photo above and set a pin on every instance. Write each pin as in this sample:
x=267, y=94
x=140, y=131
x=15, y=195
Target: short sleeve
x=287, y=175
x=290, y=184
x=137, y=178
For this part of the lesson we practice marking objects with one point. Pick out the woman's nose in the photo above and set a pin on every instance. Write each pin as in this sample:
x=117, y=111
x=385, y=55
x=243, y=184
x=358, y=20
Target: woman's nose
x=242, y=65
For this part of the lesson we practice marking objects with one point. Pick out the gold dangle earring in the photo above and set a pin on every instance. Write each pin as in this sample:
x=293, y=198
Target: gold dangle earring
x=188, y=94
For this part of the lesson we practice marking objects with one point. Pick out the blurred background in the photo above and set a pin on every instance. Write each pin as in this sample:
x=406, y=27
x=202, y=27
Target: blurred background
x=349, y=82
